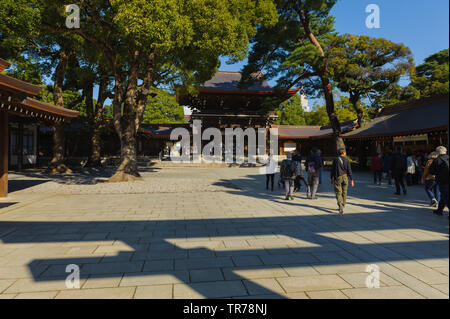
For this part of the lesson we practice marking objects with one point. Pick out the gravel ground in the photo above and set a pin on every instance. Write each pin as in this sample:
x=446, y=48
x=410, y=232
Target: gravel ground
x=165, y=180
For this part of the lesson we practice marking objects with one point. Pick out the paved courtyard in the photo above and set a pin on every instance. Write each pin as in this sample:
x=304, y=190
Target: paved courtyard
x=216, y=233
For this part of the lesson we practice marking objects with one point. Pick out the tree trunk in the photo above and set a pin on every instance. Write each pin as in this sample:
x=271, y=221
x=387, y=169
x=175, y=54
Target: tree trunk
x=334, y=121
x=127, y=170
x=359, y=113
x=128, y=112
x=95, y=157
x=126, y=128
x=354, y=99
x=57, y=165
x=326, y=85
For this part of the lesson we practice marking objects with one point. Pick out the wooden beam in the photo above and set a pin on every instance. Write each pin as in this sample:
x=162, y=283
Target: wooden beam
x=3, y=153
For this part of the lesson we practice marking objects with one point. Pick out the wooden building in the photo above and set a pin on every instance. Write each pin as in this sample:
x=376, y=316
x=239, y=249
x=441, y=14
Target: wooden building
x=305, y=138
x=419, y=125
x=20, y=115
x=220, y=103
x=154, y=139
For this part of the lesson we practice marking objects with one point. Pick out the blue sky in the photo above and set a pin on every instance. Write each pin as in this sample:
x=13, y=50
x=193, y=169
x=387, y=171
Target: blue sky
x=423, y=26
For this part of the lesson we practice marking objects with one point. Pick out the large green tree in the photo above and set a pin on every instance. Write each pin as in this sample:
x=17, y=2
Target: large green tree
x=163, y=109
x=432, y=77
x=396, y=94
x=291, y=112
x=87, y=74
x=148, y=41
x=19, y=25
x=24, y=38
x=344, y=111
x=293, y=52
x=366, y=67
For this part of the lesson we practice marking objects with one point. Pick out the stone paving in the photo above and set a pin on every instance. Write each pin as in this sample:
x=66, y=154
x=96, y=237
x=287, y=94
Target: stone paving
x=216, y=233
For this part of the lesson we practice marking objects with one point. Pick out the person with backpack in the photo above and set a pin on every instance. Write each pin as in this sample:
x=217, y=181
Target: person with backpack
x=341, y=171
x=288, y=172
x=439, y=168
x=297, y=158
x=398, y=170
x=313, y=165
x=431, y=187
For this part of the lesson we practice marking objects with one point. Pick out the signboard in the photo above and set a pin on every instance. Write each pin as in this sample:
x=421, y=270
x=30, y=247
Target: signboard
x=290, y=147
x=411, y=138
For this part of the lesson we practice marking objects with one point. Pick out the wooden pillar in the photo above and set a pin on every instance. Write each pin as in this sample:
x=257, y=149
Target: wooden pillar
x=38, y=146
x=20, y=146
x=3, y=153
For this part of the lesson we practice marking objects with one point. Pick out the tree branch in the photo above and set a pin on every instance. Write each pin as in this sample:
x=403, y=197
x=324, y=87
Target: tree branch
x=92, y=39
x=302, y=77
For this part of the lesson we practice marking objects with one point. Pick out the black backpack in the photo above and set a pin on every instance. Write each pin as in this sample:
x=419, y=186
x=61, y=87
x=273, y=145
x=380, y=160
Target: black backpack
x=399, y=162
x=312, y=165
x=444, y=167
x=289, y=169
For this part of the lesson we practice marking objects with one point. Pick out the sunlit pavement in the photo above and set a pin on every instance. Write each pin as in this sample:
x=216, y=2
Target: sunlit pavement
x=218, y=233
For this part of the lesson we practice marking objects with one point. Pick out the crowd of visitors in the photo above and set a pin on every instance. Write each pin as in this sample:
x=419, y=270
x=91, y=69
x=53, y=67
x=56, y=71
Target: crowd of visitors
x=292, y=175
x=416, y=168
x=430, y=170
x=414, y=163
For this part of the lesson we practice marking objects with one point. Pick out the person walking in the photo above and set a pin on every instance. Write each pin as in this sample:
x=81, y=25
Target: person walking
x=288, y=172
x=387, y=166
x=429, y=180
x=341, y=171
x=270, y=171
x=410, y=169
x=420, y=162
x=313, y=165
x=398, y=170
x=319, y=154
x=439, y=168
x=297, y=158
x=377, y=167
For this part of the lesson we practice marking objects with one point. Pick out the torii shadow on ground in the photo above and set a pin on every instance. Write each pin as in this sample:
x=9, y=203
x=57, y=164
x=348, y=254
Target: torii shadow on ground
x=154, y=254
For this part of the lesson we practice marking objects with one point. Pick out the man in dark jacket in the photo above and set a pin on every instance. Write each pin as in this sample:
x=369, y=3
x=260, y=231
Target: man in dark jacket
x=341, y=171
x=313, y=165
x=288, y=172
x=439, y=168
x=387, y=166
x=398, y=170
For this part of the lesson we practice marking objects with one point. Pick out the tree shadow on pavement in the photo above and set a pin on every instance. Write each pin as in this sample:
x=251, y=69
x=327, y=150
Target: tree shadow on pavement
x=156, y=259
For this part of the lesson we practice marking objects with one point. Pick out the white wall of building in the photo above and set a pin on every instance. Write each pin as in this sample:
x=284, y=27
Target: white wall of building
x=305, y=104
